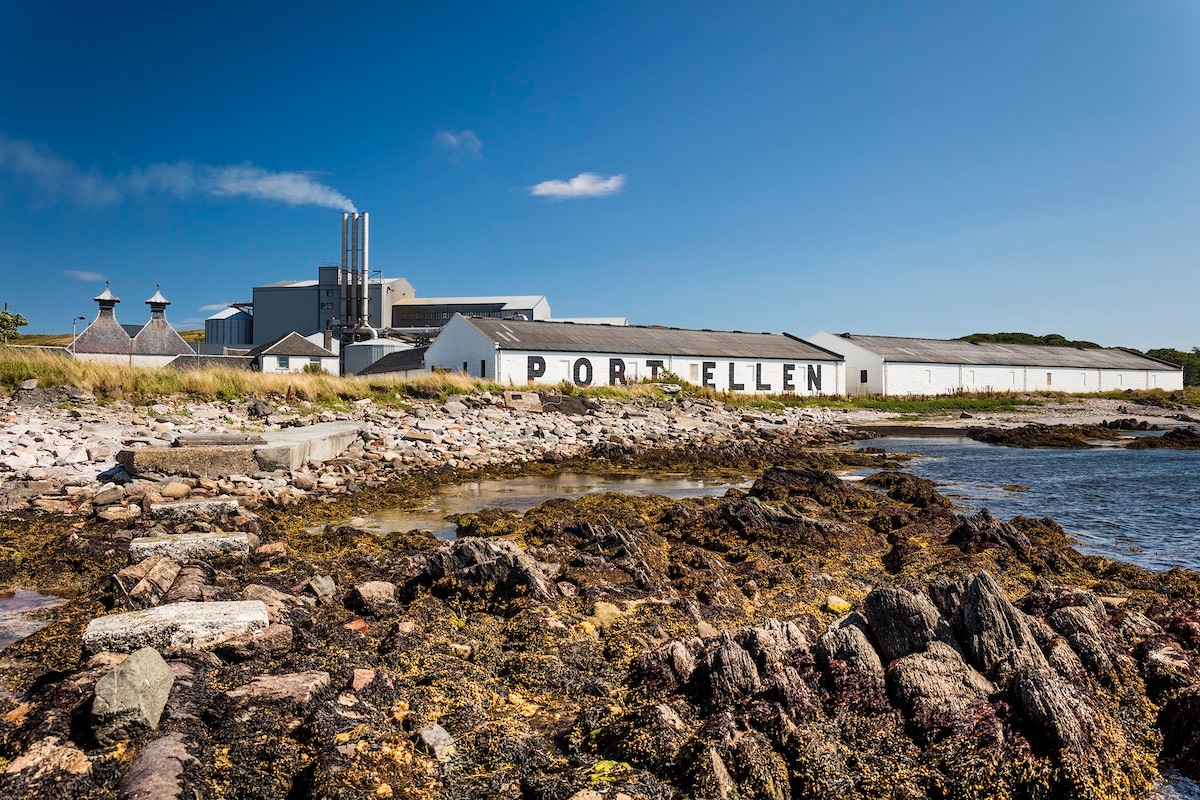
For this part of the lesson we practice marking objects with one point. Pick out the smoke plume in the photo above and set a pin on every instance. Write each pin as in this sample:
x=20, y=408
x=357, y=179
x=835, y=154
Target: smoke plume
x=55, y=179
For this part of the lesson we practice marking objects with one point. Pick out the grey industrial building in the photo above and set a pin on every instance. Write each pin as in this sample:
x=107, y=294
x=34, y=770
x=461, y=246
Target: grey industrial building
x=346, y=301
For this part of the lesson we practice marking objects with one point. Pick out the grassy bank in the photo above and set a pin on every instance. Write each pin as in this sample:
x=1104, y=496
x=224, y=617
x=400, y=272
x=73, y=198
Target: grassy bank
x=110, y=382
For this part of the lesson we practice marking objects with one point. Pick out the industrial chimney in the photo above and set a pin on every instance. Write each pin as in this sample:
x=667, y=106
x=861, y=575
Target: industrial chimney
x=355, y=277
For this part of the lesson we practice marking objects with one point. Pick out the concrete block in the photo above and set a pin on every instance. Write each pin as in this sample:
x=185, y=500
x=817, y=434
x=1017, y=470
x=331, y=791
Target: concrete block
x=194, y=462
x=131, y=696
x=288, y=449
x=201, y=625
x=183, y=546
x=187, y=510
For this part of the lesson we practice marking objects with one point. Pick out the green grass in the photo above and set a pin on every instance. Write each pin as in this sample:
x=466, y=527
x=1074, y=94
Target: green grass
x=138, y=384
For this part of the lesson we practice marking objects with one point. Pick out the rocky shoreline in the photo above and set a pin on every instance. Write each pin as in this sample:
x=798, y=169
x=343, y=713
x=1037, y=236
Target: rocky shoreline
x=808, y=637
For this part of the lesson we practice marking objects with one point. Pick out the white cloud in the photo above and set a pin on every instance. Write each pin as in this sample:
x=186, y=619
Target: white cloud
x=585, y=184
x=58, y=179
x=215, y=307
x=83, y=275
x=455, y=144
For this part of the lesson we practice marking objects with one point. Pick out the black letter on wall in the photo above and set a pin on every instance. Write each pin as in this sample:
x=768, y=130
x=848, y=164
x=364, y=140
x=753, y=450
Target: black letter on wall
x=616, y=372
x=706, y=374
x=537, y=368
x=789, y=385
x=654, y=367
x=759, y=386
x=734, y=387
x=814, y=377
x=582, y=366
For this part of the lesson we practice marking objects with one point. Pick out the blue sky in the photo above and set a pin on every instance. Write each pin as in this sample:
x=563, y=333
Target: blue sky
x=922, y=169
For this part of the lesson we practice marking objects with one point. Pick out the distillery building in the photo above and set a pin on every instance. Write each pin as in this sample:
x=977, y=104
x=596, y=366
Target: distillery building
x=519, y=352
x=897, y=365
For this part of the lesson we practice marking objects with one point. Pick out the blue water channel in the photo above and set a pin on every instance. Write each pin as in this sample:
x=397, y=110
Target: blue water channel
x=1140, y=506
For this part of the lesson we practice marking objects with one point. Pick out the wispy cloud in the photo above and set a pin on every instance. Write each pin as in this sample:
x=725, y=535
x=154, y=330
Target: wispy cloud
x=585, y=184
x=215, y=307
x=457, y=144
x=83, y=275
x=57, y=179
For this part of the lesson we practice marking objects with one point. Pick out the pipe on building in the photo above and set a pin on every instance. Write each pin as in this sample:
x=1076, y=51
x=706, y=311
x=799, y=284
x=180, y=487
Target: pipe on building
x=366, y=275
x=344, y=278
x=352, y=288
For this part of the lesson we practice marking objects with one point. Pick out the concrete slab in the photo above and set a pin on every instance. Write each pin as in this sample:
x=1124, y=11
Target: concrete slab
x=185, y=510
x=217, y=440
x=290, y=448
x=201, y=625
x=207, y=457
x=182, y=546
x=193, y=462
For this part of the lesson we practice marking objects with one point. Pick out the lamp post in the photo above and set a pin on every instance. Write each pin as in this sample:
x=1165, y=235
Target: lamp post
x=74, y=322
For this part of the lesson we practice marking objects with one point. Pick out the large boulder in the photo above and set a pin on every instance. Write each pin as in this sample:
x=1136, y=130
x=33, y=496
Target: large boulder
x=936, y=688
x=995, y=634
x=200, y=625
x=732, y=672
x=131, y=696
x=494, y=568
x=904, y=622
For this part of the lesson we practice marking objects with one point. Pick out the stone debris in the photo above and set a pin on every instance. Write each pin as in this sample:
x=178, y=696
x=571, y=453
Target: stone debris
x=159, y=771
x=131, y=696
x=43, y=449
x=183, y=546
x=201, y=625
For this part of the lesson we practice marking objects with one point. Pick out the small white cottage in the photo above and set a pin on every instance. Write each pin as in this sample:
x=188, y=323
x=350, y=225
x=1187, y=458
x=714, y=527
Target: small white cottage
x=896, y=365
x=293, y=353
x=545, y=352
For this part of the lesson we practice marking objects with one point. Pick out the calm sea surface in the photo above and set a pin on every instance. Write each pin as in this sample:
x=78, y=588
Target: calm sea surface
x=1141, y=506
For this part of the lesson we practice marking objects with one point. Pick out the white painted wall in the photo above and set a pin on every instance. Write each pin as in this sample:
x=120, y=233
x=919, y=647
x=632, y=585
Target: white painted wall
x=857, y=360
x=748, y=376
x=900, y=379
x=271, y=363
x=461, y=343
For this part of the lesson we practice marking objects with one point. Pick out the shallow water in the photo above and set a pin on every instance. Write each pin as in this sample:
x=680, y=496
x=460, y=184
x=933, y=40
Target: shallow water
x=522, y=494
x=1140, y=506
x=23, y=613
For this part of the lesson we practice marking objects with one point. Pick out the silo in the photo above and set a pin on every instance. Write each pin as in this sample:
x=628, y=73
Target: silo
x=357, y=356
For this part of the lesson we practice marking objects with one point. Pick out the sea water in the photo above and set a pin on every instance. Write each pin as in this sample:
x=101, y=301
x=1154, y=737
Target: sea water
x=1140, y=506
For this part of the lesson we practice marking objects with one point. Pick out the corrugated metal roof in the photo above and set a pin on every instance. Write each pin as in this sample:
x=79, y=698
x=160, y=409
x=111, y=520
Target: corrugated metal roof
x=646, y=340
x=399, y=361
x=511, y=301
x=955, y=351
x=291, y=344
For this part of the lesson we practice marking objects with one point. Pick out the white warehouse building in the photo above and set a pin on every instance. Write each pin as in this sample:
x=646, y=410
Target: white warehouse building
x=544, y=352
x=895, y=365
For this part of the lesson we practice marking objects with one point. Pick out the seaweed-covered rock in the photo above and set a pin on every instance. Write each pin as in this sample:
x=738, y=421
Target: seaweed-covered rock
x=732, y=672
x=986, y=530
x=910, y=489
x=993, y=631
x=494, y=569
x=904, y=622
x=936, y=688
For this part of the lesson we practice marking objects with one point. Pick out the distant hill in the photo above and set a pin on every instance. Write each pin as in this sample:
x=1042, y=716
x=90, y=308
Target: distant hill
x=1189, y=361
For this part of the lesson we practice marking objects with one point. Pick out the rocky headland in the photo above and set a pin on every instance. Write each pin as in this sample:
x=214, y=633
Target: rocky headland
x=231, y=636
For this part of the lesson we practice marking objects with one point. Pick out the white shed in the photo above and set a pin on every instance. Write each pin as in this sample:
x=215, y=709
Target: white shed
x=896, y=365
x=519, y=352
x=293, y=353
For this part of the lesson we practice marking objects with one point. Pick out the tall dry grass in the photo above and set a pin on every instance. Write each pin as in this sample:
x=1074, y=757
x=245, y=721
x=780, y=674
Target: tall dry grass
x=139, y=384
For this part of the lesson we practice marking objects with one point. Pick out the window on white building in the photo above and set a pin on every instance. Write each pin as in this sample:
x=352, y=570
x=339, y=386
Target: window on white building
x=283, y=361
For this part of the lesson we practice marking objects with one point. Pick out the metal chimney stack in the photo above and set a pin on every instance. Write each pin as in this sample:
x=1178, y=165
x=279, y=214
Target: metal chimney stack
x=344, y=282
x=366, y=274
